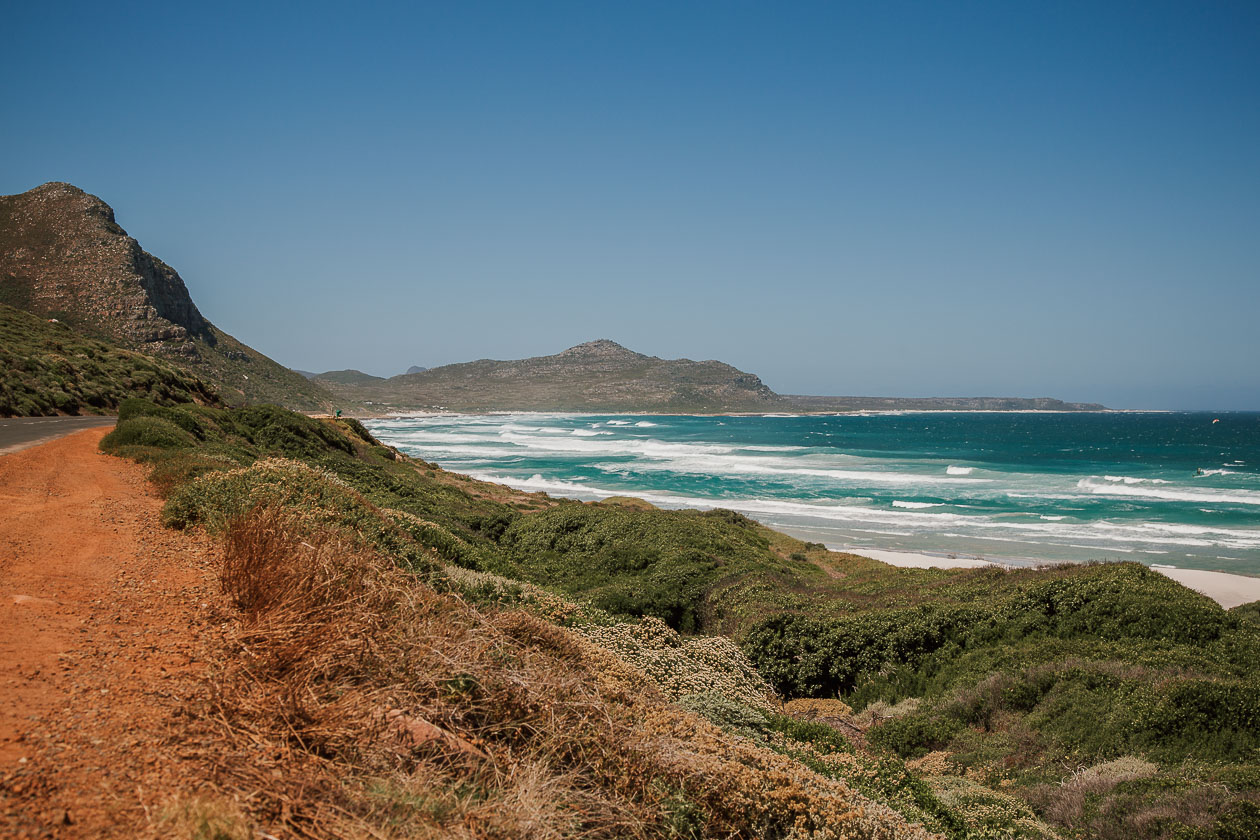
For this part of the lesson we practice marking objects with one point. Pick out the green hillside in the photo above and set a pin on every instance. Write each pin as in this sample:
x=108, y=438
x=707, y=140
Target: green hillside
x=46, y=368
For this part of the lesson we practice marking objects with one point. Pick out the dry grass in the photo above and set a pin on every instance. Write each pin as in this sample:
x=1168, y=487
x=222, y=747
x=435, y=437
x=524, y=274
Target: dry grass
x=879, y=711
x=204, y=818
x=362, y=703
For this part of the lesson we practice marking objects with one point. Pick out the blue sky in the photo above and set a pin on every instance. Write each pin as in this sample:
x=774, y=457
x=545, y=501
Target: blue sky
x=888, y=198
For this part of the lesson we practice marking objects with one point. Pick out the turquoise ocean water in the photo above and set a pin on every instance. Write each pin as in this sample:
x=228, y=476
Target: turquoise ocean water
x=1161, y=488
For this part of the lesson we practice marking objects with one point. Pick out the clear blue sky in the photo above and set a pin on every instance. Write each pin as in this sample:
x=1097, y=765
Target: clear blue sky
x=885, y=198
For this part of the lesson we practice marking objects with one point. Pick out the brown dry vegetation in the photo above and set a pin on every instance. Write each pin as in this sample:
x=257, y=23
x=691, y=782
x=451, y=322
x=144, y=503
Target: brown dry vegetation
x=359, y=702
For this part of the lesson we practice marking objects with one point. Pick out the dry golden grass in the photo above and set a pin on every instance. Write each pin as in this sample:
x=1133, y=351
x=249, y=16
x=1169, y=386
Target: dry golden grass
x=359, y=702
x=204, y=818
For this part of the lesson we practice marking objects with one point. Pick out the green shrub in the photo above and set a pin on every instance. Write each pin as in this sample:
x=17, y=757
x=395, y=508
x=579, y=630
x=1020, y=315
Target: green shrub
x=729, y=714
x=133, y=407
x=914, y=735
x=147, y=431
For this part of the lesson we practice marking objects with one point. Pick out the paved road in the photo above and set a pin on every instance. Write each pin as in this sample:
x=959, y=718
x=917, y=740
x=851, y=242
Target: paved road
x=20, y=432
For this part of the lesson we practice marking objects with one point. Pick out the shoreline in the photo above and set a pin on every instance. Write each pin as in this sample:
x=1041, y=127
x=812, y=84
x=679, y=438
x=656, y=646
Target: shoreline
x=401, y=414
x=1225, y=588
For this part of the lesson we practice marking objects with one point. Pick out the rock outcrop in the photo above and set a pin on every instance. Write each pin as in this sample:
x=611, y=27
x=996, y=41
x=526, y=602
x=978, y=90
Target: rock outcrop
x=63, y=254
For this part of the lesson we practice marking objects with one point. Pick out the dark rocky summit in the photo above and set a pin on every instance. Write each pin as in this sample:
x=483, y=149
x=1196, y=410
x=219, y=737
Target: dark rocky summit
x=63, y=256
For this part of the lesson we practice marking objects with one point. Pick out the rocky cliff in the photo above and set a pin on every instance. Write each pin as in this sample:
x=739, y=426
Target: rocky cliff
x=63, y=256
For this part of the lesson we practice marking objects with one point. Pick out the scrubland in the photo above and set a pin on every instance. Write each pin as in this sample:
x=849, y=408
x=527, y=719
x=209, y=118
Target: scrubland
x=417, y=654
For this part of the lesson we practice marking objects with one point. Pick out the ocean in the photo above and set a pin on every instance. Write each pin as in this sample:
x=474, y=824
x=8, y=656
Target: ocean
x=1176, y=489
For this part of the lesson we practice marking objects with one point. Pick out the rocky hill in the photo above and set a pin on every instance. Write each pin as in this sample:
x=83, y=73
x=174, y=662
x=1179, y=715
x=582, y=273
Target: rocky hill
x=595, y=376
x=604, y=376
x=62, y=255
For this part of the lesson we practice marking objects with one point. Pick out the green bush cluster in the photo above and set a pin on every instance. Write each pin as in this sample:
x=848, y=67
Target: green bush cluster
x=47, y=368
x=637, y=562
x=814, y=657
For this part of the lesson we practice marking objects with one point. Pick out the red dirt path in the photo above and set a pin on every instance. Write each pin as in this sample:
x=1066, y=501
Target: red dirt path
x=105, y=623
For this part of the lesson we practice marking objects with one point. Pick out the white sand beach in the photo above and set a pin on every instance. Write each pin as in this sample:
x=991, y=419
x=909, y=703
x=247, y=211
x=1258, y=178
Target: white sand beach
x=1223, y=588
x=911, y=560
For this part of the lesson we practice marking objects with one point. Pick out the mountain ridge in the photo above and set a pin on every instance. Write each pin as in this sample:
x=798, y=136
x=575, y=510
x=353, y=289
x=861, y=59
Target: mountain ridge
x=603, y=375
x=599, y=375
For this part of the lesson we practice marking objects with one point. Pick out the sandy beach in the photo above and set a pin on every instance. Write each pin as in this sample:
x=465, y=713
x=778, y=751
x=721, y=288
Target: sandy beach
x=1223, y=588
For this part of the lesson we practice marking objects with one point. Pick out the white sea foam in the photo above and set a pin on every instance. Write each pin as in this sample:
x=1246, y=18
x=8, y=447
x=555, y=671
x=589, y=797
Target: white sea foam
x=915, y=505
x=435, y=437
x=1235, y=497
x=618, y=422
x=1206, y=473
x=757, y=448
x=588, y=433
x=644, y=424
x=959, y=470
x=1049, y=518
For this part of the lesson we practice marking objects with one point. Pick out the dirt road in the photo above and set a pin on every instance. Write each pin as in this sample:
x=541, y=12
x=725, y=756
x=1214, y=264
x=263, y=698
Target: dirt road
x=105, y=618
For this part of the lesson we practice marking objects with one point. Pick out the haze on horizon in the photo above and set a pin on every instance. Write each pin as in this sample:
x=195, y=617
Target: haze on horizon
x=909, y=199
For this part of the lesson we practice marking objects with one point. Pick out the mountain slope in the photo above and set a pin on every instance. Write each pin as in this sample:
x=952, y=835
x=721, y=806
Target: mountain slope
x=596, y=376
x=63, y=255
x=48, y=368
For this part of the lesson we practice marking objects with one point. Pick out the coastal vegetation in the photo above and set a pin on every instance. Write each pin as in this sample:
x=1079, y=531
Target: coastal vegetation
x=47, y=368
x=428, y=652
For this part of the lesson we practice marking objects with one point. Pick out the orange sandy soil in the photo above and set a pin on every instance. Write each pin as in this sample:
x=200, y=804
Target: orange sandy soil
x=107, y=621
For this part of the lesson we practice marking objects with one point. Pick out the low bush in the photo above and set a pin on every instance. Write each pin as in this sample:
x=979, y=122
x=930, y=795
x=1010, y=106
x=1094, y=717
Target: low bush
x=156, y=432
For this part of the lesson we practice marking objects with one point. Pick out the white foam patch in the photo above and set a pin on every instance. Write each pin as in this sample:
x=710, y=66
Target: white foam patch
x=1234, y=497
x=749, y=447
x=588, y=433
x=952, y=470
x=645, y=424
x=915, y=505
